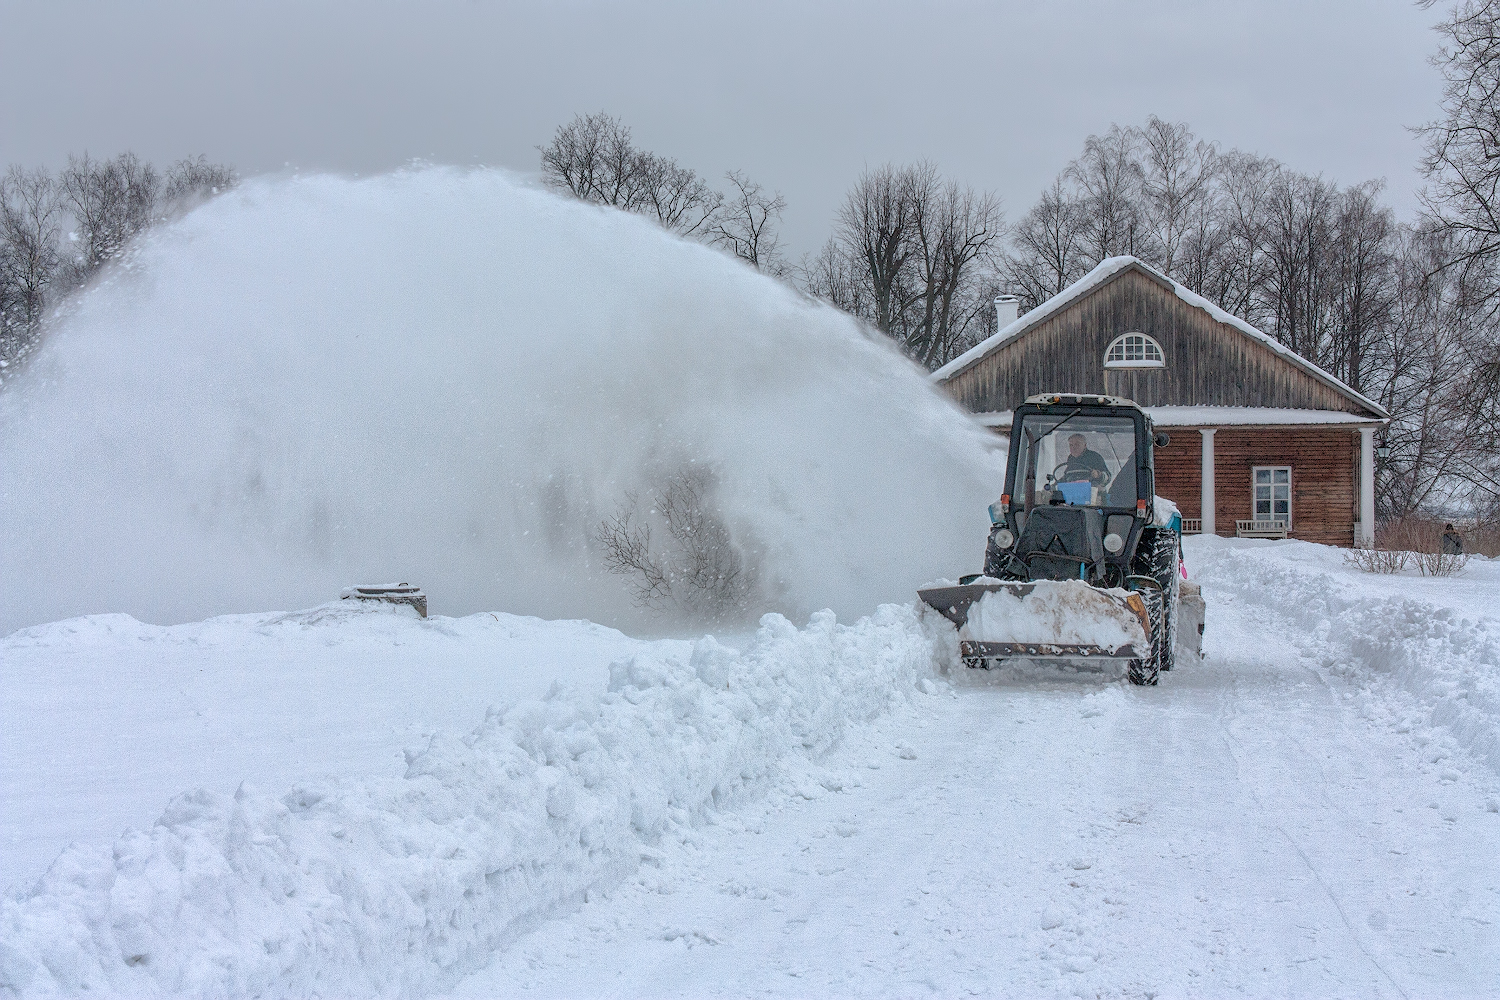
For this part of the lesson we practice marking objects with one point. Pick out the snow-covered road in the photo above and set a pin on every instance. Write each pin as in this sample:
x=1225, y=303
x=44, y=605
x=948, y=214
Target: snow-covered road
x=1244, y=828
x=1312, y=811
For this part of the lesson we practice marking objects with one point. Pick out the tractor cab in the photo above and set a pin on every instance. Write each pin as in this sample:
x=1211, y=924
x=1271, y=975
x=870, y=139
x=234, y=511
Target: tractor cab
x=1079, y=491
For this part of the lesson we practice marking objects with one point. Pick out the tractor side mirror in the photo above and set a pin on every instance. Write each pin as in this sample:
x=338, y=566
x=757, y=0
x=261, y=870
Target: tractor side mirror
x=1162, y=439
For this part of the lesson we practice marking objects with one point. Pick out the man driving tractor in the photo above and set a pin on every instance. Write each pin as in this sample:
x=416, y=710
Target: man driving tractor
x=1084, y=464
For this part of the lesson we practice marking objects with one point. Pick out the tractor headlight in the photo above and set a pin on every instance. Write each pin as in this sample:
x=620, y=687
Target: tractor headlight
x=1004, y=539
x=1114, y=544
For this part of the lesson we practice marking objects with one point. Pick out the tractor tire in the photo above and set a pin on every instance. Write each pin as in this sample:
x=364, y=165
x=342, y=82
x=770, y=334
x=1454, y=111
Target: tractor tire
x=1166, y=657
x=1158, y=557
x=1142, y=672
x=1145, y=670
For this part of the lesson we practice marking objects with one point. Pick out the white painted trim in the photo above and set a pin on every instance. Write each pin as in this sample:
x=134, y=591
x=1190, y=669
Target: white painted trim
x=1206, y=508
x=1291, y=482
x=1366, y=531
x=1149, y=343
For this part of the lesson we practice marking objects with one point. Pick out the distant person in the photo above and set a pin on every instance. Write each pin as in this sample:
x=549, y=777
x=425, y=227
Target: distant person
x=1084, y=464
x=1453, y=542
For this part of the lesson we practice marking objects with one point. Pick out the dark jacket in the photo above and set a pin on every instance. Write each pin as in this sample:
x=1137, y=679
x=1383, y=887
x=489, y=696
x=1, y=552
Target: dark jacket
x=1081, y=468
x=1453, y=543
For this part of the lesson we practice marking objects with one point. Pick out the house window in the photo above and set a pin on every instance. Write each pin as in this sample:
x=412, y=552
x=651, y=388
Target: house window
x=1273, y=494
x=1134, y=350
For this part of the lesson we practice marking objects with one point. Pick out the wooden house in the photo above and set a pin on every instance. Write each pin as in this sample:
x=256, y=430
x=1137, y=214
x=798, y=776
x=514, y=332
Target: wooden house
x=1263, y=442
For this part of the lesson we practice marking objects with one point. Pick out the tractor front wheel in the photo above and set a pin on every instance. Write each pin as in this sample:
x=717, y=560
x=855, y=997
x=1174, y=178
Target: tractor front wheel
x=1146, y=669
x=1143, y=672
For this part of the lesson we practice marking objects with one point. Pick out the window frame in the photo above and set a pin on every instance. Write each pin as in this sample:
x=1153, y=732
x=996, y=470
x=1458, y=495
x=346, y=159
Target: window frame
x=1254, y=498
x=1149, y=343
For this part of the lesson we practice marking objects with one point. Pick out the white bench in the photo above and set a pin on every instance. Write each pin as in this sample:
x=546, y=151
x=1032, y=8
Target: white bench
x=1260, y=529
x=1192, y=526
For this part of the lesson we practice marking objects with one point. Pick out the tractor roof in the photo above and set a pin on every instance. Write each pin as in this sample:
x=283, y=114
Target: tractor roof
x=1079, y=399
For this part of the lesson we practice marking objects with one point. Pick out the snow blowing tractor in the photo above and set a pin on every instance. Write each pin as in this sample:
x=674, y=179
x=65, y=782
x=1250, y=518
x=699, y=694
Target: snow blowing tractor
x=1083, y=558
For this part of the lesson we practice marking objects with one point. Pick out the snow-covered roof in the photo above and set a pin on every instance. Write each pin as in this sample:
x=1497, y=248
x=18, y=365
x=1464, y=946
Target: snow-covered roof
x=1221, y=416
x=1105, y=271
x=1231, y=416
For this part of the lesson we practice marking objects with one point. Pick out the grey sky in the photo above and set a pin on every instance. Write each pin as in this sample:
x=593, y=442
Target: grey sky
x=800, y=96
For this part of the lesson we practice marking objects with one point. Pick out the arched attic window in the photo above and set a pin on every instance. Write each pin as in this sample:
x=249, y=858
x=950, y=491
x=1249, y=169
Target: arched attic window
x=1134, y=350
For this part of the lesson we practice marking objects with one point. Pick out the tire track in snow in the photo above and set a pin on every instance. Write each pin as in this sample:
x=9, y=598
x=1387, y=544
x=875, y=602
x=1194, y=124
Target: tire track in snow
x=1230, y=702
x=1059, y=837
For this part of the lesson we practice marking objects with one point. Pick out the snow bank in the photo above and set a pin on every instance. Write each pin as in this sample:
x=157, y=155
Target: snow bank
x=1069, y=613
x=362, y=888
x=450, y=377
x=1444, y=660
x=105, y=718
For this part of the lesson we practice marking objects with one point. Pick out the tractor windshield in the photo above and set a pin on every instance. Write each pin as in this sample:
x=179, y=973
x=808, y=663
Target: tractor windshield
x=1076, y=458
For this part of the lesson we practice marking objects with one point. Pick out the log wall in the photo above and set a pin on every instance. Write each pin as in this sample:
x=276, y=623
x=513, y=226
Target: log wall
x=1208, y=362
x=1325, y=487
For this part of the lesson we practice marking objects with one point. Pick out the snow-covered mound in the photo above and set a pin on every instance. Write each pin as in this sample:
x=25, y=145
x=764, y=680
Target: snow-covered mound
x=1436, y=642
x=452, y=378
x=349, y=887
x=106, y=718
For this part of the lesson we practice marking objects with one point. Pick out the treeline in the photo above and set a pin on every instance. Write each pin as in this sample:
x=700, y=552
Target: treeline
x=1404, y=312
x=594, y=158
x=1390, y=308
x=56, y=230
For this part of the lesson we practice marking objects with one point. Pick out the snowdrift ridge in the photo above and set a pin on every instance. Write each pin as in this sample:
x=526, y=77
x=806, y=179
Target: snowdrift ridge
x=362, y=888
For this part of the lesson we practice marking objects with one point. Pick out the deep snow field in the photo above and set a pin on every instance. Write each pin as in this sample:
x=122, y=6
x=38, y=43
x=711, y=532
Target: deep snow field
x=1313, y=810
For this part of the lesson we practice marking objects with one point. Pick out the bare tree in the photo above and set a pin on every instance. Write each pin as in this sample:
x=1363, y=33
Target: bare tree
x=746, y=224
x=1177, y=183
x=835, y=276
x=1109, y=176
x=956, y=230
x=594, y=159
x=1364, y=281
x=910, y=255
x=1462, y=150
x=699, y=568
x=874, y=228
x=29, y=255
x=111, y=201
x=1048, y=253
x=1440, y=434
x=1298, y=244
x=103, y=204
x=193, y=180
x=1235, y=269
x=679, y=199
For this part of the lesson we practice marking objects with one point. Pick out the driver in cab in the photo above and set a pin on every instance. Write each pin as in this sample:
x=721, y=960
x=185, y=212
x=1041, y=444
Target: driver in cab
x=1084, y=465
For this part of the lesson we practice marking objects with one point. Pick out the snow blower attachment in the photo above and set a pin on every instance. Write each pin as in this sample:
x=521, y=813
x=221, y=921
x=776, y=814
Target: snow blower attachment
x=1083, y=558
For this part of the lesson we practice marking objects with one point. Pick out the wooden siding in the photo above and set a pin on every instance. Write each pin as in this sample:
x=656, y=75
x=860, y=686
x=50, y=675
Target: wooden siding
x=1208, y=362
x=1324, y=461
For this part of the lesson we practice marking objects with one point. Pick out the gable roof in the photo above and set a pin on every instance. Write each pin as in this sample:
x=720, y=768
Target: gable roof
x=1107, y=270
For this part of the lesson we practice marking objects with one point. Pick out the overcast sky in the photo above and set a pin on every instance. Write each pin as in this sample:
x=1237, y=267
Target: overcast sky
x=802, y=97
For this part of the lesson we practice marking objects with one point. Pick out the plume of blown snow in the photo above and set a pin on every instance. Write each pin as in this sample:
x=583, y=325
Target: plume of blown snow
x=450, y=378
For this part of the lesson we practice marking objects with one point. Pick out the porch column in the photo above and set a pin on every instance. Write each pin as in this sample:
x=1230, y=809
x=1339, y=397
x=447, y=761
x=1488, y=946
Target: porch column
x=1207, y=506
x=1365, y=533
